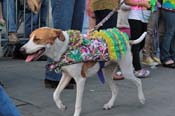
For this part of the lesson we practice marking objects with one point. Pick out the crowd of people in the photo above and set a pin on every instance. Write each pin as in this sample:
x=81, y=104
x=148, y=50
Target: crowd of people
x=133, y=17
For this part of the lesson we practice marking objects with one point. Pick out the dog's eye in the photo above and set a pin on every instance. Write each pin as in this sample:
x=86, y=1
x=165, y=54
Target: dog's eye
x=36, y=40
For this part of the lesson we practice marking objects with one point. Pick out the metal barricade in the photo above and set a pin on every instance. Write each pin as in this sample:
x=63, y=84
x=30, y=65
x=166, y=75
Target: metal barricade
x=21, y=11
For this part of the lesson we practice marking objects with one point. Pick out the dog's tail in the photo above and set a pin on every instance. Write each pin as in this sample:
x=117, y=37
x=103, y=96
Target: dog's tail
x=132, y=42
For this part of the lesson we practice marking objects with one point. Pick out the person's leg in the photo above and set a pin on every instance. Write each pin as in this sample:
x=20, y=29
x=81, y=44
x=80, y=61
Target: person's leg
x=172, y=49
x=44, y=13
x=136, y=31
x=9, y=12
x=31, y=23
x=9, y=15
x=2, y=21
x=78, y=15
x=7, y=108
x=167, y=40
x=137, y=28
x=62, y=12
x=52, y=75
x=149, y=45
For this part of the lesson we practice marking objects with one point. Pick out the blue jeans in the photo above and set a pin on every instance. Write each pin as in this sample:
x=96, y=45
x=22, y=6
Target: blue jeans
x=7, y=108
x=32, y=20
x=66, y=14
x=167, y=51
x=51, y=74
x=9, y=6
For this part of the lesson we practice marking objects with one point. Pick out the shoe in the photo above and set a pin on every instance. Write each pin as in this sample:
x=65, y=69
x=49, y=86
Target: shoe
x=13, y=39
x=17, y=54
x=117, y=76
x=143, y=73
x=1, y=84
x=54, y=84
x=50, y=83
x=172, y=65
x=149, y=61
x=156, y=59
x=169, y=63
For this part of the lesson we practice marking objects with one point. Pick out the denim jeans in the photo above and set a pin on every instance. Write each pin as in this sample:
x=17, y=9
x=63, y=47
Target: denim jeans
x=9, y=6
x=152, y=40
x=51, y=74
x=7, y=108
x=167, y=51
x=32, y=20
x=66, y=14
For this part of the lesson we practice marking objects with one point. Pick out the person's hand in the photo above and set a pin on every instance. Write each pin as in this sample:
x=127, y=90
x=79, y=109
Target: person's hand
x=146, y=4
x=34, y=5
x=89, y=11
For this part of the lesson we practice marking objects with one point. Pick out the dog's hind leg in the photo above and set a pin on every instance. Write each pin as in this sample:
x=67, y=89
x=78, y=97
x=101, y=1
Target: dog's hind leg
x=80, y=82
x=65, y=79
x=107, y=71
x=127, y=70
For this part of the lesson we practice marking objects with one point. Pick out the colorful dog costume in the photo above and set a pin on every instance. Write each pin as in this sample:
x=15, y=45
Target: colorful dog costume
x=103, y=45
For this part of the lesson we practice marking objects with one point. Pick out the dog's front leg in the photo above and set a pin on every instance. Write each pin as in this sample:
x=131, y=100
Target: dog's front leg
x=65, y=79
x=114, y=89
x=80, y=82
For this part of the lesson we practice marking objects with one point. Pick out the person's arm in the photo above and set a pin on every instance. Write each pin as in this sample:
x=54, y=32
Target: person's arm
x=89, y=11
x=125, y=7
x=144, y=3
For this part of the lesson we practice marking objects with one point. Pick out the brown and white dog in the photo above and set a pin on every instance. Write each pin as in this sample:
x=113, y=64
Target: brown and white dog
x=54, y=42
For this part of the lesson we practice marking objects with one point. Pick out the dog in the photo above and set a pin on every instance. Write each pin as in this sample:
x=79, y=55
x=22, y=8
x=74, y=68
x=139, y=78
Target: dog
x=54, y=42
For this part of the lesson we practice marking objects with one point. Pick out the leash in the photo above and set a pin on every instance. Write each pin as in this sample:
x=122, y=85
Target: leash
x=96, y=27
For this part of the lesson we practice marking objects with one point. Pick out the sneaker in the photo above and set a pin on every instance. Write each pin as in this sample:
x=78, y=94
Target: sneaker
x=142, y=73
x=13, y=39
x=149, y=61
x=156, y=59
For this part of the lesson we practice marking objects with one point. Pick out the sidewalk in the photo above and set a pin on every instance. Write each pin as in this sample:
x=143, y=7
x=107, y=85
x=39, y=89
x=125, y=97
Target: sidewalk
x=24, y=84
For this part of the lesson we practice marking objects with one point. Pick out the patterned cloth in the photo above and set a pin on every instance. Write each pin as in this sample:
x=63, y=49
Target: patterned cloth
x=103, y=45
x=169, y=4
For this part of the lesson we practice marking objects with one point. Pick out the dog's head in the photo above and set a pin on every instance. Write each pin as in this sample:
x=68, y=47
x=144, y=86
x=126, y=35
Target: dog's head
x=40, y=41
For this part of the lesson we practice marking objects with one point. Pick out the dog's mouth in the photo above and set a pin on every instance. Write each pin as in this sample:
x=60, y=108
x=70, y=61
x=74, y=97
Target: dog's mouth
x=35, y=56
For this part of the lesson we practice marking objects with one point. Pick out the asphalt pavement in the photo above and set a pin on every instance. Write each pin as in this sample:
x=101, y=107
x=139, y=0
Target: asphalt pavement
x=24, y=84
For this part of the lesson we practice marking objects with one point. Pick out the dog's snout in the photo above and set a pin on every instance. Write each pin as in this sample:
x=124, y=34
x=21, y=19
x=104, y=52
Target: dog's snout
x=22, y=50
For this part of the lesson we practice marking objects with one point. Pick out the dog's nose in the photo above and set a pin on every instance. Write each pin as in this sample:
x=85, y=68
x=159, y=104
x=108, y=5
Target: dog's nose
x=22, y=50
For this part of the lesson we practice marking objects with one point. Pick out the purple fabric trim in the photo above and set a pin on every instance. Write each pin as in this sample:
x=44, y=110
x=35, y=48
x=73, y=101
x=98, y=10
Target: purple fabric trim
x=100, y=72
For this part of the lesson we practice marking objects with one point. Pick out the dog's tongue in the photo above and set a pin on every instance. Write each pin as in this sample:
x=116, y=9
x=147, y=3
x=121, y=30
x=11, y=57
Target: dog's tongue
x=30, y=58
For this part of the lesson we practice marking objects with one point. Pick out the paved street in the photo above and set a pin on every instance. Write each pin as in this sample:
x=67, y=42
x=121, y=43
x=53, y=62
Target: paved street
x=24, y=84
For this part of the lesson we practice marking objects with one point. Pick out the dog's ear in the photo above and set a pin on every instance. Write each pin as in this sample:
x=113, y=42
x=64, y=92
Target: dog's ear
x=59, y=34
x=31, y=35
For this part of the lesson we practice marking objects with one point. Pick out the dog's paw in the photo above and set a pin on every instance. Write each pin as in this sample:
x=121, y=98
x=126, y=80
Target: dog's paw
x=107, y=106
x=142, y=101
x=62, y=107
